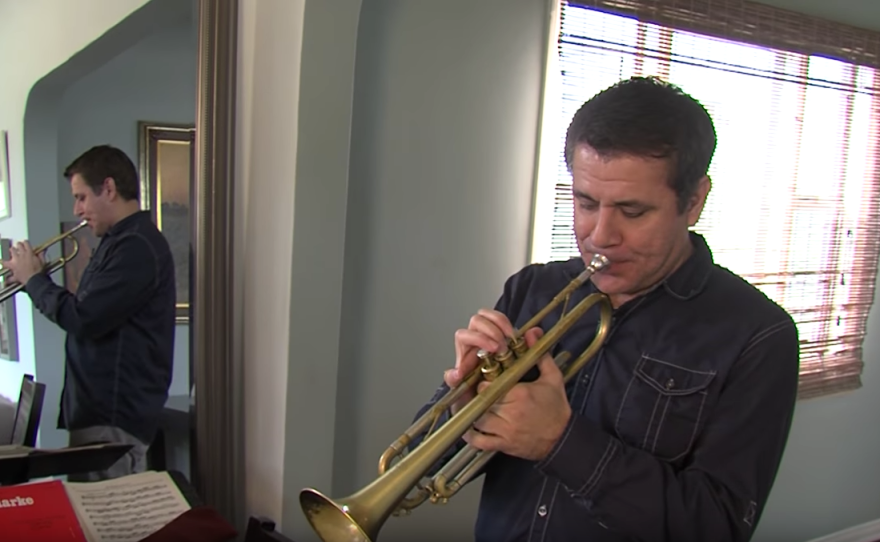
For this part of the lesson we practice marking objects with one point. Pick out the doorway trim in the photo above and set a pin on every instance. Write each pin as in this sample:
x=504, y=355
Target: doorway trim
x=217, y=452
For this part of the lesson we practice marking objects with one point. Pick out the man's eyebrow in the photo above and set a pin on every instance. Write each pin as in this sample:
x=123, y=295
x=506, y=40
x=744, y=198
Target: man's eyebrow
x=623, y=203
x=578, y=194
x=633, y=203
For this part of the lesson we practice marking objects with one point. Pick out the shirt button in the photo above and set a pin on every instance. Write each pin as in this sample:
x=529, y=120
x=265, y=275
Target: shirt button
x=542, y=510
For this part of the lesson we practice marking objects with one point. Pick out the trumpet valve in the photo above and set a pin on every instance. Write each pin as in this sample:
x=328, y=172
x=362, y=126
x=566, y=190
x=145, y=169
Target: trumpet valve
x=518, y=345
x=490, y=366
x=438, y=499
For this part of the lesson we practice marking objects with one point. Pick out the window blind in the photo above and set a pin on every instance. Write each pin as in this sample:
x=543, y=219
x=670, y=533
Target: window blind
x=795, y=188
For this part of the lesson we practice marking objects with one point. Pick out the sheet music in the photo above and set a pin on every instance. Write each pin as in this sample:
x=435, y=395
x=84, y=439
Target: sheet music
x=126, y=509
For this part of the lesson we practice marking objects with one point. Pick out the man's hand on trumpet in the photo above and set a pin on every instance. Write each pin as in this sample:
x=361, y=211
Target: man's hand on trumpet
x=530, y=419
x=23, y=262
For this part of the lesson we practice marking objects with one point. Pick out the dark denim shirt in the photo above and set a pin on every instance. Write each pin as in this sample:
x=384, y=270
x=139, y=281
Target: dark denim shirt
x=679, y=422
x=120, y=330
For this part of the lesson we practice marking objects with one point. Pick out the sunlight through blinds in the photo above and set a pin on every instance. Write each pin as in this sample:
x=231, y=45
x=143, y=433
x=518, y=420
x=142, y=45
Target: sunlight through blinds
x=794, y=201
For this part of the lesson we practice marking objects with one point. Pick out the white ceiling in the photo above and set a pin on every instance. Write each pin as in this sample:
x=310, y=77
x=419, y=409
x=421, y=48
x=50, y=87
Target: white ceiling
x=862, y=13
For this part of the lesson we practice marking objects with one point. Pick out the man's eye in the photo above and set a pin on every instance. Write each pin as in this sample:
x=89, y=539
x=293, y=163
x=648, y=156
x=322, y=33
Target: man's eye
x=633, y=214
x=589, y=205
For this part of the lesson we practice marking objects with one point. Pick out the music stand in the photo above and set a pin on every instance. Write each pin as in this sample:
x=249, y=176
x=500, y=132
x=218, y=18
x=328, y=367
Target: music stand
x=262, y=529
x=28, y=412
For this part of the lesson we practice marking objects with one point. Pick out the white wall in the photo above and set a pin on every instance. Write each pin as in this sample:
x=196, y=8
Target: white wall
x=72, y=26
x=266, y=136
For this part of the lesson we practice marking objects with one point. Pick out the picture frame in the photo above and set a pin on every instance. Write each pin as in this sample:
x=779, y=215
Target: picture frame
x=166, y=156
x=5, y=176
x=8, y=321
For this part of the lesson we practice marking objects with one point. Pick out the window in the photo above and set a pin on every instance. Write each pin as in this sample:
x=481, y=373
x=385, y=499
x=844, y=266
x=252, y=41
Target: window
x=795, y=188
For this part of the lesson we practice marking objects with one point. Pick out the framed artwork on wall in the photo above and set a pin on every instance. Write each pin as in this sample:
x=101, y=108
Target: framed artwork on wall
x=5, y=202
x=8, y=327
x=166, y=163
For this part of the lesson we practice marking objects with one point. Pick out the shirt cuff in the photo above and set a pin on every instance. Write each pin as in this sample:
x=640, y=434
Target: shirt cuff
x=36, y=285
x=580, y=457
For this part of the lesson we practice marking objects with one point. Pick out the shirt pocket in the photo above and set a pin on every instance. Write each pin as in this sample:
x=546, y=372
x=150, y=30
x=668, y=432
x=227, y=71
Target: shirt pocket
x=662, y=407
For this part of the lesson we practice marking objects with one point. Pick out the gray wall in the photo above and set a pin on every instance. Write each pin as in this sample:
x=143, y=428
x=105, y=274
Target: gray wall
x=443, y=141
x=437, y=215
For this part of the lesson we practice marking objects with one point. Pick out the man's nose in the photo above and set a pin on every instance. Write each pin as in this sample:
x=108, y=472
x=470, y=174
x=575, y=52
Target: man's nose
x=605, y=232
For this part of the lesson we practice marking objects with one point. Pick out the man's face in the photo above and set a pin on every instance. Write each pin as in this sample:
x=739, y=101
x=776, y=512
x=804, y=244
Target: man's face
x=625, y=209
x=94, y=208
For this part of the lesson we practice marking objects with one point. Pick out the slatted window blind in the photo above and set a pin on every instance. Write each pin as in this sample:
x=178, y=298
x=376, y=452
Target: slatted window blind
x=795, y=192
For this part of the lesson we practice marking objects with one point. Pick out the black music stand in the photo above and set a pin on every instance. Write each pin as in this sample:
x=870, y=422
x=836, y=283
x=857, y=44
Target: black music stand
x=24, y=467
x=260, y=529
x=28, y=412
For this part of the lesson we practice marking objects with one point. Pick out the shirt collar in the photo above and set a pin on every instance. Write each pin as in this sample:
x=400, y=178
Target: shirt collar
x=127, y=222
x=691, y=277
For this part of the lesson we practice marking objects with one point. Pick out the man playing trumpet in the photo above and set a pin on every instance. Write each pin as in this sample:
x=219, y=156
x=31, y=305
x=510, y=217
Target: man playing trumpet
x=120, y=322
x=675, y=429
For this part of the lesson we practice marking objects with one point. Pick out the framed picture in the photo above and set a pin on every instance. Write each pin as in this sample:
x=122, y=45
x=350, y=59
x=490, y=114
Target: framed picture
x=167, y=162
x=8, y=327
x=5, y=202
x=86, y=243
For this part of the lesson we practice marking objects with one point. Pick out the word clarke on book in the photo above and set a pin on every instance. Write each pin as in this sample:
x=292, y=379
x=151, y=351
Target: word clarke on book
x=126, y=509
x=16, y=501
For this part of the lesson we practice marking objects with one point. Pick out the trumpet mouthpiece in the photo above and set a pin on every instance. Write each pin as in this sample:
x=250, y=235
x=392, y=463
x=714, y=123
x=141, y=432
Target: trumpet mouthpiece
x=598, y=262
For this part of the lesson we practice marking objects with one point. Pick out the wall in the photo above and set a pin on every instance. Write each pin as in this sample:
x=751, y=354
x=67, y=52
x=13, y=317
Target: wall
x=445, y=108
x=436, y=216
x=443, y=144
x=266, y=159
x=20, y=22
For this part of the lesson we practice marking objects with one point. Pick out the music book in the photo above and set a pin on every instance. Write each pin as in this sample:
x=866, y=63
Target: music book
x=127, y=509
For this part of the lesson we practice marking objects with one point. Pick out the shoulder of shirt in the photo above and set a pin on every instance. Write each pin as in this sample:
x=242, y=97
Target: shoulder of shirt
x=561, y=268
x=553, y=274
x=737, y=291
x=145, y=240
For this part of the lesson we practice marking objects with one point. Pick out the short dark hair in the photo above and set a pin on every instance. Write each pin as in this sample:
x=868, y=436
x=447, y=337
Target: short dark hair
x=646, y=116
x=102, y=161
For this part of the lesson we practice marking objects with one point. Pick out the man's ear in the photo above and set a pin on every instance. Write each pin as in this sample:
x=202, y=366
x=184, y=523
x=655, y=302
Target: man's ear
x=698, y=200
x=109, y=188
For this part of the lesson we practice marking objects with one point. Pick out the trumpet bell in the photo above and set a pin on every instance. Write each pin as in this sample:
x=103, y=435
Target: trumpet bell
x=332, y=521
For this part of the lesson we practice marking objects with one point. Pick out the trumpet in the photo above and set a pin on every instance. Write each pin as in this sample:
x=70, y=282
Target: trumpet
x=360, y=516
x=11, y=289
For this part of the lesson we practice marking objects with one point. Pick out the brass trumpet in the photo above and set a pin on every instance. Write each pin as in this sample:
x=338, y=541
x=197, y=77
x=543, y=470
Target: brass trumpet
x=359, y=517
x=11, y=289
